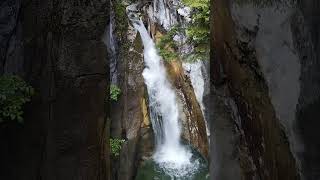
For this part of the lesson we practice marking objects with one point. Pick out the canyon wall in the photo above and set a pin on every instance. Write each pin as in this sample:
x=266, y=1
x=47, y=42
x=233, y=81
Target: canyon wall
x=129, y=114
x=57, y=48
x=263, y=62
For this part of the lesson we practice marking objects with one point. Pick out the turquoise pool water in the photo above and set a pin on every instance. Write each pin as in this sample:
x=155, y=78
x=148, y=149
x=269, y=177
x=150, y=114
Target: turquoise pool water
x=150, y=170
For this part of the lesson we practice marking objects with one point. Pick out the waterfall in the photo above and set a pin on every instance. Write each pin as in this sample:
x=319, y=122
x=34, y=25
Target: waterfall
x=173, y=157
x=194, y=71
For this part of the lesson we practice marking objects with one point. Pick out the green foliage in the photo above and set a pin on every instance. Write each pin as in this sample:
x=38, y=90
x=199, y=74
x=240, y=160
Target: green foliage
x=115, y=145
x=198, y=31
x=167, y=47
x=115, y=92
x=196, y=3
x=120, y=19
x=14, y=93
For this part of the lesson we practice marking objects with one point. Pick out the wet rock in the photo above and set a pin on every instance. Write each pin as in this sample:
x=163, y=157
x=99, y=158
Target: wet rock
x=193, y=123
x=191, y=116
x=130, y=116
x=224, y=138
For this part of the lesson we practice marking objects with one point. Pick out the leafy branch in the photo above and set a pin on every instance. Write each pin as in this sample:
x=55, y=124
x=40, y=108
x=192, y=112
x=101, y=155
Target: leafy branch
x=116, y=145
x=14, y=93
x=115, y=92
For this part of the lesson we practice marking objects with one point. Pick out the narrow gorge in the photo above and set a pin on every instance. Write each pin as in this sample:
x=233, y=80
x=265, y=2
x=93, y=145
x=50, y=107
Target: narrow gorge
x=169, y=137
x=159, y=90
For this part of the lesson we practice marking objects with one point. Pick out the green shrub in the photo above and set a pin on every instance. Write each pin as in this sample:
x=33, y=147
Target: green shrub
x=198, y=30
x=115, y=146
x=166, y=45
x=14, y=93
x=115, y=92
x=121, y=19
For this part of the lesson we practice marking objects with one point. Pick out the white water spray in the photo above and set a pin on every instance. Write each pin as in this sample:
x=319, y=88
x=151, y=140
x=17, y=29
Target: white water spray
x=170, y=154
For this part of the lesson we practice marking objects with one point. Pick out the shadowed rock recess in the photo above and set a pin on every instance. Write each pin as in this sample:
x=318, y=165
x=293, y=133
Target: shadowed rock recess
x=265, y=88
x=57, y=47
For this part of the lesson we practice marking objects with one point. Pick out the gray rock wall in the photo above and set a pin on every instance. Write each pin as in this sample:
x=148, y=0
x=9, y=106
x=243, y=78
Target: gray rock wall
x=307, y=43
x=283, y=38
x=254, y=63
x=57, y=48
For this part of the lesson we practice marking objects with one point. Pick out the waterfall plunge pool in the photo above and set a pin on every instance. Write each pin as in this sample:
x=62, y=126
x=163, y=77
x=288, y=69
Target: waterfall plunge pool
x=197, y=170
x=172, y=160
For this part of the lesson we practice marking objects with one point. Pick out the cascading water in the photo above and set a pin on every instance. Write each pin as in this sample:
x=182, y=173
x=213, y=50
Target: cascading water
x=197, y=78
x=173, y=157
x=195, y=74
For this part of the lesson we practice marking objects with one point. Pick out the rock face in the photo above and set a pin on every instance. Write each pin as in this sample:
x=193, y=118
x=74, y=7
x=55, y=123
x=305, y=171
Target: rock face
x=129, y=114
x=265, y=72
x=11, y=49
x=57, y=48
x=193, y=123
x=307, y=33
x=131, y=108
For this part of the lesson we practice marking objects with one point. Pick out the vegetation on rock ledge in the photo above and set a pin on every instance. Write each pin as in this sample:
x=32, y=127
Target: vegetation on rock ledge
x=197, y=32
x=115, y=145
x=115, y=92
x=167, y=47
x=120, y=19
x=14, y=93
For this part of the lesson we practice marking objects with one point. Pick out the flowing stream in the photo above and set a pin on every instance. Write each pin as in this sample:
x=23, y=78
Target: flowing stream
x=171, y=156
